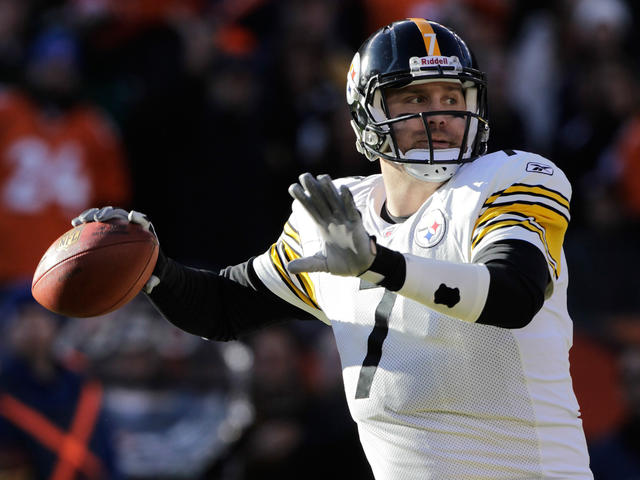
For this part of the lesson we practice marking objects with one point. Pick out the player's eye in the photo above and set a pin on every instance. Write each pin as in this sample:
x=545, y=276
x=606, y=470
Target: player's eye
x=417, y=99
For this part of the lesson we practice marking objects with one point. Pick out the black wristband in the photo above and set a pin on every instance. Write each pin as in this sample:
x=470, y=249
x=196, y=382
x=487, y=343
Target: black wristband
x=392, y=266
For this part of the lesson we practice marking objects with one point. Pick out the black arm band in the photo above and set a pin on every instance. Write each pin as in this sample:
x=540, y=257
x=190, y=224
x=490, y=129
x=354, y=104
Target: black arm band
x=219, y=306
x=518, y=279
x=392, y=266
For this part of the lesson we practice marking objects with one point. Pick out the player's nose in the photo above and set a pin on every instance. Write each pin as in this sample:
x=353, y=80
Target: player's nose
x=438, y=120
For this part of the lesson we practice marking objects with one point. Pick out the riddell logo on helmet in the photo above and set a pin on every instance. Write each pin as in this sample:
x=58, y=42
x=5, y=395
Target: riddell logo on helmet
x=434, y=60
x=421, y=63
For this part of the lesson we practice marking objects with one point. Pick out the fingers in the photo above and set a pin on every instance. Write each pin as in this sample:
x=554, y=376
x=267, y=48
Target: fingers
x=297, y=192
x=350, y=209
x=308, y=197
x=139, y=218
x=320, y=198
x=105, y=214
x=316, y=263
x=316, y=195
x=332, y=197
x=84, y=217
x=109, y=213
x=152, y=283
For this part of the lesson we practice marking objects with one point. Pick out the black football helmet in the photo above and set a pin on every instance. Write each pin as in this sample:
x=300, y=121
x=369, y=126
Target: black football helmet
x=411, y=51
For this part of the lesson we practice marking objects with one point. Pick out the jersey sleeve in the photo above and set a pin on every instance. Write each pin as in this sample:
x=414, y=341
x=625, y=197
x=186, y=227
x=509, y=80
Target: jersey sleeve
x=533, y=206
x=271, y=268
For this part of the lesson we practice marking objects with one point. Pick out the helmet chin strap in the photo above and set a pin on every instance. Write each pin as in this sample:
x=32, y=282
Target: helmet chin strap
x=438, y=172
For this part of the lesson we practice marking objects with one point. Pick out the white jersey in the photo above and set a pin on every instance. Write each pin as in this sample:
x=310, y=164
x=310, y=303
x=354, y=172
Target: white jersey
x=436, y=397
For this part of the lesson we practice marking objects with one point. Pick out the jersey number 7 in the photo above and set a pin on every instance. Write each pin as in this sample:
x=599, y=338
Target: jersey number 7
x=375, y=341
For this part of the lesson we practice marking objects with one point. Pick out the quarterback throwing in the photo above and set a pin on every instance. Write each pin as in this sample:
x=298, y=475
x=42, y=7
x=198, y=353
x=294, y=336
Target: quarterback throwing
x=443, y=277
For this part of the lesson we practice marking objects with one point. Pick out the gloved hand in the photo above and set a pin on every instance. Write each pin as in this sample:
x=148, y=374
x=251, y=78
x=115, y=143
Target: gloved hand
x=105, y=214
x=348, y=249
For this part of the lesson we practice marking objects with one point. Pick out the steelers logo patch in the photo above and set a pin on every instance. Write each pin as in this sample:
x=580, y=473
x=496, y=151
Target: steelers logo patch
x=431, y=229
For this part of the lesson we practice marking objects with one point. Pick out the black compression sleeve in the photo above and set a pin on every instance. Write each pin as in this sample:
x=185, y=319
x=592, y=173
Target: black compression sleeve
x=518, y=279
x=218, y=306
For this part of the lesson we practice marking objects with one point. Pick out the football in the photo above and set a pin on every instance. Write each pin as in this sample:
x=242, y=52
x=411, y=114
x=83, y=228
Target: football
x=95, y=268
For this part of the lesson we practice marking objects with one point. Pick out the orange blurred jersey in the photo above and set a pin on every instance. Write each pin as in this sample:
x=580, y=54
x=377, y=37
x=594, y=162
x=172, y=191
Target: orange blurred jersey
x=51, y=168
x=629, y=158
x=383, y=12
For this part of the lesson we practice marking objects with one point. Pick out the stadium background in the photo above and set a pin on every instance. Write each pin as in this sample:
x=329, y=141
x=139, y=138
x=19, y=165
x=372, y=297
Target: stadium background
x=209, y=109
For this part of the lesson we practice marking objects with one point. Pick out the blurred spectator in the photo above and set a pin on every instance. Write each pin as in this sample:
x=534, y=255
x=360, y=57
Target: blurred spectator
x=58, y=156
x=486, y=26
x=13, y=16
x=619, y=168
x=330, y=432
x=593, y=97
x=302, y=423
x=176, y=402
x=52, y=422
x=598, y=385
x=382, y=12
x=225, y=102
x=273, y=445
x=615, y=452
x=534, y=77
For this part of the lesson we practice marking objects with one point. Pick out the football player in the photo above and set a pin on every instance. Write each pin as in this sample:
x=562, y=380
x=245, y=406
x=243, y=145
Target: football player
x=443, y=278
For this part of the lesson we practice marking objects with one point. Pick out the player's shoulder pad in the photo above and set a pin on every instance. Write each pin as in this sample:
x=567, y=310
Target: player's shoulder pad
x=501, y=169
x=359, y=186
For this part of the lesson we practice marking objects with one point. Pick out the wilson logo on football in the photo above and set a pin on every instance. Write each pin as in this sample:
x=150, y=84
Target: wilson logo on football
x=69, y=239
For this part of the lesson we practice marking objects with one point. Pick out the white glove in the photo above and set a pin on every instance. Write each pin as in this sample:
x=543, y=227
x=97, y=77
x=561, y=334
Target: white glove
x=105, y=214
x=348, y=249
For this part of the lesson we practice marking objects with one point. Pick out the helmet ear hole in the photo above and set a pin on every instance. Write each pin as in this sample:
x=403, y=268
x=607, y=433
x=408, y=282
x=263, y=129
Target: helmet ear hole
x=360, y=115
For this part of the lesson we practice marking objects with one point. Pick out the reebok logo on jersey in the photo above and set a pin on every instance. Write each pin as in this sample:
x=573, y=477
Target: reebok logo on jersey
x=431, y=229
x=539, y=168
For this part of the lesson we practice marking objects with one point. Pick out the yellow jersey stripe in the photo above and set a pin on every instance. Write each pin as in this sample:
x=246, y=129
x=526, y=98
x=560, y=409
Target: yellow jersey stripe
x=542, y=213
x=428, y=36
x=495, y=226
x=292, y=232
x=277, y=262
x=553, y=222
x=535, y=190
x=304, y=277
x=529, y=226
x=522, y=207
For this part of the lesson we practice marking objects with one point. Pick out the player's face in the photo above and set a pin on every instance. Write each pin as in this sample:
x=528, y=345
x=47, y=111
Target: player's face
x=446, y=131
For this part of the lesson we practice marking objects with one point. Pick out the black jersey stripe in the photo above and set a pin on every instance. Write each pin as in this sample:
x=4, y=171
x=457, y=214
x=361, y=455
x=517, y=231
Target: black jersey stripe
x=503, y=217
x=527, y=187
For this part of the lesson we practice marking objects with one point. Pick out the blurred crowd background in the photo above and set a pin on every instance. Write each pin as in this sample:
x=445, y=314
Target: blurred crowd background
x=200, y=113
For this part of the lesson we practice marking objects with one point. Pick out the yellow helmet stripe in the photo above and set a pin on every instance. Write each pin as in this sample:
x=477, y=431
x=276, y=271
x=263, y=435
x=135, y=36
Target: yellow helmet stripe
x=428, y=35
